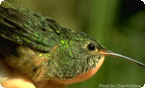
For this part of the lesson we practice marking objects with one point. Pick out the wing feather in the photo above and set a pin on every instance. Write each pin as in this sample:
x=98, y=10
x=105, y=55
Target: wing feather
x=23, y=26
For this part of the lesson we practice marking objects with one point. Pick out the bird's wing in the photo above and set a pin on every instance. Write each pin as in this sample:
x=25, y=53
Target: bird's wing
x=23, y=26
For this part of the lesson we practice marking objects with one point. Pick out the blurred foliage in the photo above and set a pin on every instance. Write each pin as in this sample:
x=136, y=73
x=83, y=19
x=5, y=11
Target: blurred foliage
x=117, y=24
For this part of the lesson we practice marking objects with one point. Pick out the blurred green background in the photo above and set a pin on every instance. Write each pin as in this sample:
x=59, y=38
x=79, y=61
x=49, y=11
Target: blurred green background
x=118, y=24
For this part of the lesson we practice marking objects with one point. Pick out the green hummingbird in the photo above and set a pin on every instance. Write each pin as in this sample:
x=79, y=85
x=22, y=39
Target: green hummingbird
x=40, y=48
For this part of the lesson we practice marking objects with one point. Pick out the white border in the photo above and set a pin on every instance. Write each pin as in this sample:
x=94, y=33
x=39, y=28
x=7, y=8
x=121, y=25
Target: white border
x=143, y=86
x=1, y=86
x=143, y=1
x=1, y=1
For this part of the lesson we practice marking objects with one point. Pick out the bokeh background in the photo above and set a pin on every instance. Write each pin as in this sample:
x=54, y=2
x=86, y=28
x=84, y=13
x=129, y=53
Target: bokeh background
x=118, y=24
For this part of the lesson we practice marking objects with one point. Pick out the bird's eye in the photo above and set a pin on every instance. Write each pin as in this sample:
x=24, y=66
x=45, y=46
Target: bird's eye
x=91, y=47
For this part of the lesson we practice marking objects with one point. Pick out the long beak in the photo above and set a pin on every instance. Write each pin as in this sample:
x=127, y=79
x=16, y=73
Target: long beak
x=110, y=53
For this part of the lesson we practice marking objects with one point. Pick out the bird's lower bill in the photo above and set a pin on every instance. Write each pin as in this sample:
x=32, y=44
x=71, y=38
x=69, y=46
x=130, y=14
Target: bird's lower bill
x=83, y=77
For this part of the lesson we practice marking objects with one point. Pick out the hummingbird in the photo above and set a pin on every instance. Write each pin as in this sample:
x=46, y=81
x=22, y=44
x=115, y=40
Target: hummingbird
x=38, y=47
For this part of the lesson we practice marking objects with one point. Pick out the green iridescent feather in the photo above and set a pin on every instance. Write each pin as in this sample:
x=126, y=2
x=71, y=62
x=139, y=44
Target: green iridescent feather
x=26, y=27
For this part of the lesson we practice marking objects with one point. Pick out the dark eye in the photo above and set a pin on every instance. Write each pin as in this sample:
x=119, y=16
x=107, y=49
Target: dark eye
x=91, y=47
